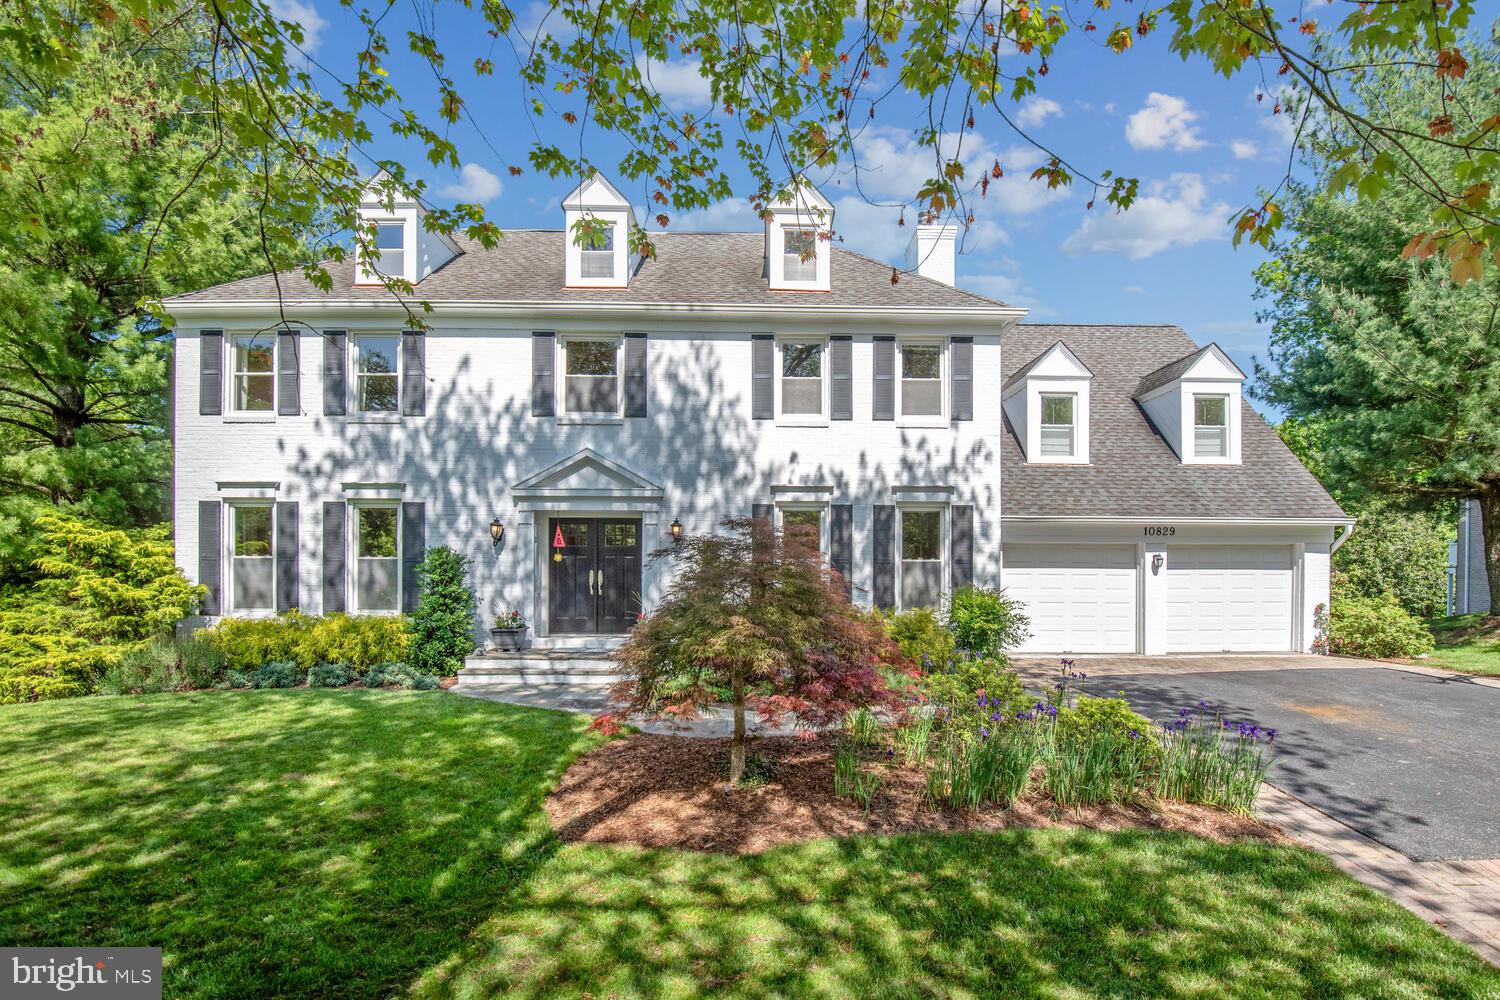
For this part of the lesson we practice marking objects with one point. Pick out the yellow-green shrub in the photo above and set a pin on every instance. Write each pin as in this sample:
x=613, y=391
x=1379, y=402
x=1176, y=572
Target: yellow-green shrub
x=361, y=641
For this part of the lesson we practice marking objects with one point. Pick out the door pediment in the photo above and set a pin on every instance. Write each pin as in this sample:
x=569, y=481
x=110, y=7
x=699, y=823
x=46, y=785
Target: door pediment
x=586, y=478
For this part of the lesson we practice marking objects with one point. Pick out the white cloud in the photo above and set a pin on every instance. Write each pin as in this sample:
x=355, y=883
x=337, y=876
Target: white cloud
x=304, y=14
x=894, y=166
x=1133, y=290
x=728, y=216
x=1243, y=149
x=539, y=20
x=1035, y=111
x=1164, y=121
x=1172, y=213
x=475, y=185
x=681, y=84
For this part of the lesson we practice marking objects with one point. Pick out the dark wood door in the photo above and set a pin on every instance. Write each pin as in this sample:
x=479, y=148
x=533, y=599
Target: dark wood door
x=595, y=587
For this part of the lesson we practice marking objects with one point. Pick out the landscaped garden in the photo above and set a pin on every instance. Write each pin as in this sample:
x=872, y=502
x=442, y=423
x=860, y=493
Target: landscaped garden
x=348, y=843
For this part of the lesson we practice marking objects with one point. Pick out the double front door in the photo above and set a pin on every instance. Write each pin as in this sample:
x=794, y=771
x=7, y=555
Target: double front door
x=594, y=575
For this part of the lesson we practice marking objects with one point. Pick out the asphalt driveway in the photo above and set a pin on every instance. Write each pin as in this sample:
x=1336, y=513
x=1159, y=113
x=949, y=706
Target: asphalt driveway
x=1408, y=759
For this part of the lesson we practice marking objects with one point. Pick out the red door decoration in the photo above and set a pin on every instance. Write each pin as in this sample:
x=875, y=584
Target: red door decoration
x=557, y=544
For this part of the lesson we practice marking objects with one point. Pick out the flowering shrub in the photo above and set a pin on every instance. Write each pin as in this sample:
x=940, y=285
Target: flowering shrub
x=967, y=693
x=1208, y=759
x=1376, y=626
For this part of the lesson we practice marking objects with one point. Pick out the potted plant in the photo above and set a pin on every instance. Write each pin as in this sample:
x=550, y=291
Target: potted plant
x=509, y=630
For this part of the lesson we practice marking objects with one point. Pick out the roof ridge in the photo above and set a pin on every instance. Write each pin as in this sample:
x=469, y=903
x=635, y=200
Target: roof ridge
x=913, y=274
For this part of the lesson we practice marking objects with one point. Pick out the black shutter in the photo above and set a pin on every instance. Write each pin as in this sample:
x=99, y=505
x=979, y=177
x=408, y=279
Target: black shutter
x=841, y=375
x=211, y=554
x=288, y=374
x=413, y=373
x=286, y=556
x=763, y=512
x=543, y=350
x=962, y=349
x=762, y=376
x=961, y=540
x=884, y=536
x=841, y=541
x=335, y=372
x=335, y=554
x=885, y=379
x=413, y=547
x=635, y=374
x=211, y=373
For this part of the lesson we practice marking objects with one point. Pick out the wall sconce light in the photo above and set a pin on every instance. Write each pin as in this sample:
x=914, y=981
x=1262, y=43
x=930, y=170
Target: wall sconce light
x=497, y=532
x=676, y=530
x=1157, y=561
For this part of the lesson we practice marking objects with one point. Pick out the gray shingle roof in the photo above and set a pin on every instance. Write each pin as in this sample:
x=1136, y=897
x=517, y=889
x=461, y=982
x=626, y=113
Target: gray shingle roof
x=1133, y=472
x=1173, y=371
x=689, y=268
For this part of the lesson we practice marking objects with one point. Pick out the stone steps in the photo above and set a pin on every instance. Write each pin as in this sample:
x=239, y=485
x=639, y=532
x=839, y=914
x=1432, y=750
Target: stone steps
x=538, y=668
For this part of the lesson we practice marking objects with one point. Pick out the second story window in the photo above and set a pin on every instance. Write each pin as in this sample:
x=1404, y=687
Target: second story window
x=377, y=388
x=921, y=380
x=799, y=255
x=591, y=376
x=802, y=379
x=597, y=254
x=390, y=249
x=1059, y=425
x=255, y=373
x=1211, y=426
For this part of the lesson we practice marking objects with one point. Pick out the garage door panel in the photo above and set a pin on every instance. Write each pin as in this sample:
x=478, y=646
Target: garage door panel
x=1234, y=598
x=1079, y=598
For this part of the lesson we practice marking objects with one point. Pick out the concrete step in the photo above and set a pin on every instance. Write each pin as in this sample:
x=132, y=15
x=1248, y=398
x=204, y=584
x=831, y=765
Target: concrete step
x=532, y=669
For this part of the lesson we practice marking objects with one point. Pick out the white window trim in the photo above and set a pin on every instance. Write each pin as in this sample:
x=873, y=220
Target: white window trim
x=614, y=258
x=366, y=273
x=945, y=576
x=941, y=418
x=351, y=407
x=231, y=606
x=237, y=416
x=1041, y=401
x=1226, y=455
x=819, y=507
x=815, y=260
x=560, y=380
x=351, y=577
x=802, y=419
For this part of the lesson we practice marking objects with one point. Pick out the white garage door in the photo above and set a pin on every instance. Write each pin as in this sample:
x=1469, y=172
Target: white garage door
x=1080, y=598
x=1229, y=597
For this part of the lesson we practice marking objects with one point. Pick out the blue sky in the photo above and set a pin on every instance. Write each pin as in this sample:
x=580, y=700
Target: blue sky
x=1201, y=146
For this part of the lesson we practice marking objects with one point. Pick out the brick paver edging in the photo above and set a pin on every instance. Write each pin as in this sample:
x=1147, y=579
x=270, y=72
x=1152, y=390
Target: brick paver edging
x=1460, y=898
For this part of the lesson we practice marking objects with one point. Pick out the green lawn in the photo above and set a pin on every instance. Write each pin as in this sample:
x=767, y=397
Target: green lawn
x=1470, y=643
x=363, y=843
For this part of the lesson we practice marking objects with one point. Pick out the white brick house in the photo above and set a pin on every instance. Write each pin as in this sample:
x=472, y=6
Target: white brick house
x=585, y=400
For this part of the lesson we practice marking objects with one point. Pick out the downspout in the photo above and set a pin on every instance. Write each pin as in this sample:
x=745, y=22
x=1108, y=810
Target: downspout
x=1341, y=538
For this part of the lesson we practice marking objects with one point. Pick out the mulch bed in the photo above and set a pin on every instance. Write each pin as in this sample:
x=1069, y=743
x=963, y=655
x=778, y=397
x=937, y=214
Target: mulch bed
x=672, y=791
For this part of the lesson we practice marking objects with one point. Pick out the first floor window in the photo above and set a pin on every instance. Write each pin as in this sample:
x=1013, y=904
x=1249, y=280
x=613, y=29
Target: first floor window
x=921, y=380
x=596, y=253
x=1211, y=426
x=803, y=525
x=377, y=388
x=591, y=376
x=390, y=249
x=802, y=379
x=799, y=260
x=921, y=558
x=254, y=356
x=1058, y=424
x=251, y=559
x=377, y=577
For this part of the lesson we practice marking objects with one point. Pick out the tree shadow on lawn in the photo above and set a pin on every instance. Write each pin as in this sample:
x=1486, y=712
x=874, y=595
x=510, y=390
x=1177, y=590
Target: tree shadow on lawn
x=1058, y=913
x=273, y=842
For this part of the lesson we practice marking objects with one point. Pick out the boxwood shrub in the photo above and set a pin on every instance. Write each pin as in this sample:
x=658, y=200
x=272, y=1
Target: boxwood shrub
x=1377, y=627
x=361, y=641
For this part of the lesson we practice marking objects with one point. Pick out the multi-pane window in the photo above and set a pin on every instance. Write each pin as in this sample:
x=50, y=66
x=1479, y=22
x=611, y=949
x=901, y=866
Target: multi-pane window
x=377, y=579
x=254, y=360
x=251, y=559
x=1058, y=424
x=802, y=378
x=377, y=388
x=921, y=380
x=1211, y=426
x=805, y=526
x=921, y=558
x=390, y=249
x=596, y=254
x=799, y=261
x=591, y=376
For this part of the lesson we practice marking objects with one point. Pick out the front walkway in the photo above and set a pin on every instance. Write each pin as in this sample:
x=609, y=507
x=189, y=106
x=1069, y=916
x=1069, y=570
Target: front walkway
x=1043, y=669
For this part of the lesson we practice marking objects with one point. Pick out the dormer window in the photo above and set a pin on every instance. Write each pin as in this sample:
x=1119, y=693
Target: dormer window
x=800, y=254
x=597, y=253
x=402, y=247
x=1059, y=426
x=1211, y=426
x=390, y=246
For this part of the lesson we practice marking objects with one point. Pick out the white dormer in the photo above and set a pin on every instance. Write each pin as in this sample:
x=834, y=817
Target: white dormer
x=604, y=261
x=404, y=247
x=1047, y=403
x=798, y=253
x=1195, y=404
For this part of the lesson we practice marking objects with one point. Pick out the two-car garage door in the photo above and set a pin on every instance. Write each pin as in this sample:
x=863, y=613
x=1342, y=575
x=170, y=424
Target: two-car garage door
x=1085, y=598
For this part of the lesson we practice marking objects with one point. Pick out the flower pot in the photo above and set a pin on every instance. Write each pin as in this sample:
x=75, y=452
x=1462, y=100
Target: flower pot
x=509, y=638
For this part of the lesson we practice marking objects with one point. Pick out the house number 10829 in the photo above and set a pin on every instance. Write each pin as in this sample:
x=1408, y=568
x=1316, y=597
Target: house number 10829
x=1160, y=531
